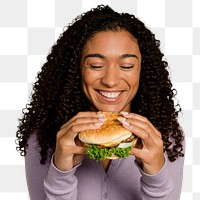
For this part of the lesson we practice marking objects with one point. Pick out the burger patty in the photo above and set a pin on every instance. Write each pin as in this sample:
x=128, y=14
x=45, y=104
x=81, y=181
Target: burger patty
x=130, y=139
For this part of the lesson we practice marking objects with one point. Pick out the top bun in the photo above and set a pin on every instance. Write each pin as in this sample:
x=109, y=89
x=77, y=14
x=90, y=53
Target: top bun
x=110, y=133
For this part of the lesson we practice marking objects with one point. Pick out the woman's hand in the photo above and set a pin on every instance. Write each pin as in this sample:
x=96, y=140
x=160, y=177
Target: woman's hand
x=151, y=155
x=69, y=151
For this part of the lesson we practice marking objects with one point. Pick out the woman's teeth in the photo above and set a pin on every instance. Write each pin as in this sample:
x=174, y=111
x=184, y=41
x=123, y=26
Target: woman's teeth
x=111, y=95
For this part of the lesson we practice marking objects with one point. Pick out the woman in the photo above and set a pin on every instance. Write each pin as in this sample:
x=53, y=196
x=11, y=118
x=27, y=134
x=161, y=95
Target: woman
x=104, y=61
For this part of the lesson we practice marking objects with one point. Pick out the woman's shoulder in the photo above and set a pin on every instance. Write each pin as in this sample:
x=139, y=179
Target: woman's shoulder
x=33, y=141
x=34, y=149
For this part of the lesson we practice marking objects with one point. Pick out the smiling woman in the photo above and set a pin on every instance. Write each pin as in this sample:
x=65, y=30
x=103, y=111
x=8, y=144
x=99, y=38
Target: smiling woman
x=111, y=70
x=108, y=62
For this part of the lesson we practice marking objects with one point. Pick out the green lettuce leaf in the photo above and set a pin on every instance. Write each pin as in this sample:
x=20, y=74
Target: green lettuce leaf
x=101, y=153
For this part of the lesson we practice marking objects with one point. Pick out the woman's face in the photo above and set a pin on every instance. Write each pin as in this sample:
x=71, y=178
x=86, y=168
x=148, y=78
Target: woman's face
x=110, y=68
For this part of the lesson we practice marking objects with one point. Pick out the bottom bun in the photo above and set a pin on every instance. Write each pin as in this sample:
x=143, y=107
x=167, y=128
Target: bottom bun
x=112, y=157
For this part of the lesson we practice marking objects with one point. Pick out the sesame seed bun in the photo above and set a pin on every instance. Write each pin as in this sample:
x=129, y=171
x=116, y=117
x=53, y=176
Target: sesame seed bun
x=111, y=133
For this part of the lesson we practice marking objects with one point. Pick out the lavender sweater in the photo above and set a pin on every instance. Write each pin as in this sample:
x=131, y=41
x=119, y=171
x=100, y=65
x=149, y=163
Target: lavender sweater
x=124, y=179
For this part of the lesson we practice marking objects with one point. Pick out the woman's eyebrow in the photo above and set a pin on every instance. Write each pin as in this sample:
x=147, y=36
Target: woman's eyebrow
x=95, y=55
x=129, y=55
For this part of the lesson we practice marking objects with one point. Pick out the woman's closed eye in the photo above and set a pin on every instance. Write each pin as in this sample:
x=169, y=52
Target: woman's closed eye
x=100, y=66
x=95, y=66
x=127, y=66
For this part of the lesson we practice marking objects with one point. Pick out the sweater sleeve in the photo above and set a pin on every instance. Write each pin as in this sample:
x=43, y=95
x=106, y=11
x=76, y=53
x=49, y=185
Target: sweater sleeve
x=61, y=185
x=45, y=182
x=156, y=186
x=164, y=185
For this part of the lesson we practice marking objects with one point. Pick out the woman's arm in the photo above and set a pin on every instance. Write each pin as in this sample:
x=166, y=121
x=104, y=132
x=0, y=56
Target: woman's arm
x=161, y=179
x=56, y=179
x=164, y=185
x=60, y=185
x=46, y=181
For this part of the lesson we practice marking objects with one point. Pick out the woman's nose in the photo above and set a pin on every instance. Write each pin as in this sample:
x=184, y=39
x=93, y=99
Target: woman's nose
x=111, y=77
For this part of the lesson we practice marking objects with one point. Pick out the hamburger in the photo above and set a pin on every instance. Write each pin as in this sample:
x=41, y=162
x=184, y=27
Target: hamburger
x=110, y=141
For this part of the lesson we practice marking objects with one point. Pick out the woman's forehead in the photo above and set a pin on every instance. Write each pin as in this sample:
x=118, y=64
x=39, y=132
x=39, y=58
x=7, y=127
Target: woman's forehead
x=112, y=42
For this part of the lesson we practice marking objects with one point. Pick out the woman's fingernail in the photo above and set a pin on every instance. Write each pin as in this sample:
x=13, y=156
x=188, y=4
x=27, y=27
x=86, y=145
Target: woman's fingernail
x=124, y=113
x=102, y=119
x=100, y=114
x=121, y=119
x=125, y=123
x=98, y=124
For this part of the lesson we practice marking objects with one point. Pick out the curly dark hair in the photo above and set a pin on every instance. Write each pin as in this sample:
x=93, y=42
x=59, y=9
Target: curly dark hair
x=57, y=93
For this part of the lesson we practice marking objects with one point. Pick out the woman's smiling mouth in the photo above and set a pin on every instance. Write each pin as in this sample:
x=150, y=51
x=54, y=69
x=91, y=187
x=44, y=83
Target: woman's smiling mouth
x=110, y=95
